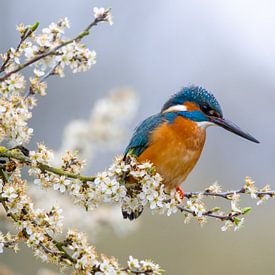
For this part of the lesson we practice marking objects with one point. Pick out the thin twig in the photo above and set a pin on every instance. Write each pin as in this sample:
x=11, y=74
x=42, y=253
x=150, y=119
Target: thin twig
x=28, y=32
x=227, y=195
x=209, y=213
x=43, y=78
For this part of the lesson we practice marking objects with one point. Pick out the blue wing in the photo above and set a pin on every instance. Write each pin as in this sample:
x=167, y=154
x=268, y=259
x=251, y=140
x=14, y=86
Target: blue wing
x=140, y=139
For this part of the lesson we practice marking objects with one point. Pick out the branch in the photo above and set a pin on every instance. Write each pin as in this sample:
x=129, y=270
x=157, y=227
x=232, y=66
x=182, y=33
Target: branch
x=59, y=250
x=27, y=33
x=229, y=217
x=53, y=51
x=228, y=195
x=193, y=206
x=17, y=155
x=48, y=74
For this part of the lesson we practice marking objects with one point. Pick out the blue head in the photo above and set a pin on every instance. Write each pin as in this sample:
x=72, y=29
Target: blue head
x=200, y=106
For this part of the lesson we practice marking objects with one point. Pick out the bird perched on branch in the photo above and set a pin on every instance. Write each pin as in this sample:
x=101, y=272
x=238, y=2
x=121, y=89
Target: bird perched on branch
x=174, y=138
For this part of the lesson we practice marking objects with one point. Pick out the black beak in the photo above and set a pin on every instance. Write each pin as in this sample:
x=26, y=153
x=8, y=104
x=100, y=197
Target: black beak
x=230, y=126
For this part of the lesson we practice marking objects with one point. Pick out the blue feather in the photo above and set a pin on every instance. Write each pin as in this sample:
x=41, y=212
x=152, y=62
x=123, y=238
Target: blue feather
x=194, y=94
x=141, y=137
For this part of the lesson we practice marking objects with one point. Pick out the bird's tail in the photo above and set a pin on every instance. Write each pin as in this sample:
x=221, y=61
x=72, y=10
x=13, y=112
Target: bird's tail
x=131, y=212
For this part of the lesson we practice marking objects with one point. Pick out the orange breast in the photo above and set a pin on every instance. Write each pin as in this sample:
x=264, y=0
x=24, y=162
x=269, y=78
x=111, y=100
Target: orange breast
x=174, y=150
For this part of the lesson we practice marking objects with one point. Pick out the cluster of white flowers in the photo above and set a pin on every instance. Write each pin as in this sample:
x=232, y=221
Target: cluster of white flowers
x=48, y=52
x=265, y=196
x=250, y=187
x=33, y=224
x=41, y=155
x=75, y=55
x=94, y=223
x=197, y=207
x=110, y=186
x=37, y=226
x=15, y=111
x=8, y=241
x=144, y=266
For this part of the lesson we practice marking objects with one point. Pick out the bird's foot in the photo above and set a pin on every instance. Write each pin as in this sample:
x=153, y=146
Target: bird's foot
x=180, y=193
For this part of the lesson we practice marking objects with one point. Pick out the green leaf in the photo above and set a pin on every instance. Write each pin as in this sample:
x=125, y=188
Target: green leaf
x=237, y=220
x=246, y=210
x=215, y=209
x=34, y=26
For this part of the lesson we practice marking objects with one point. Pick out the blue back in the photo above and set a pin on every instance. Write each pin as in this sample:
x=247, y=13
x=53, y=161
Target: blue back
x=140, y=139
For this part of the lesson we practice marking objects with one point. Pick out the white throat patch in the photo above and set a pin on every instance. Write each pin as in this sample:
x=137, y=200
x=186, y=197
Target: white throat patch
x=205, y=124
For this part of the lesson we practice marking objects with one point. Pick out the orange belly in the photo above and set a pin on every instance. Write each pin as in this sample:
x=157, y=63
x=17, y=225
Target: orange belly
x=174, y=149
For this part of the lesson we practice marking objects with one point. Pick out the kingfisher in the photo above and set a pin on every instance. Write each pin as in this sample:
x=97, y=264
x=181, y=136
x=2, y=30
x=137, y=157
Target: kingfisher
x=173, y=139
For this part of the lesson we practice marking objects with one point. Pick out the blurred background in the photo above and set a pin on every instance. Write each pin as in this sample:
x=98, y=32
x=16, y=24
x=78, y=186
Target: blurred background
x=156, y=47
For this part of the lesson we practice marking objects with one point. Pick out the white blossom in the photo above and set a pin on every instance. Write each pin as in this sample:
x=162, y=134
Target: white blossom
x=10, y=194
x=61, y=184
x=2, y=245
x=133, y=263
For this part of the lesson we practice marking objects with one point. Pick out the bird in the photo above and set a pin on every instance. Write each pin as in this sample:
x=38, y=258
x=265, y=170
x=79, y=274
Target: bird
x=173, y=139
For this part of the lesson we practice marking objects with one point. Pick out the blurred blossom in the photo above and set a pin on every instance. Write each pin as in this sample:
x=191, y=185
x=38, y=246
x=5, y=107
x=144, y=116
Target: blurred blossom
x=106, y=127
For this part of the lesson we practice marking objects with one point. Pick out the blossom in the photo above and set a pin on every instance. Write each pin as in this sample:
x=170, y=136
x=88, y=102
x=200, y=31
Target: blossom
x=10, y=194
x=38, y=87
x=42, y=155
x=15, y=82
x=102, y=13
x=77, y=56
x=214, y=188
x=2, y=245
x=234, y=203
x=262, y=199
x=61, y=184
x=148, y=265
x=99, y=12
x=172, y=207
x=31, y=51
x=226, y=226
x=133, y=263
x=36, y=238
x=38, y=73
x=238, y=223
x=250, y=187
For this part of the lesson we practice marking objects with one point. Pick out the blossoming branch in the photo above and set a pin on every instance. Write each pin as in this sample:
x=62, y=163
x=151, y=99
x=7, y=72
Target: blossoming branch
x=48, y=53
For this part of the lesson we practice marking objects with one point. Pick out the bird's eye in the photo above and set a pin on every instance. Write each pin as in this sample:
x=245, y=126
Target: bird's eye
x=209, y=111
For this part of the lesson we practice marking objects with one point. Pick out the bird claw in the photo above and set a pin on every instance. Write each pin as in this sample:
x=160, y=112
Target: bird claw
x=180, y=193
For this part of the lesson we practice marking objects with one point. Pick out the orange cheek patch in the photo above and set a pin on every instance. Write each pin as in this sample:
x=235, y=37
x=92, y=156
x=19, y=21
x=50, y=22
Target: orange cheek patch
x=191, y=106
